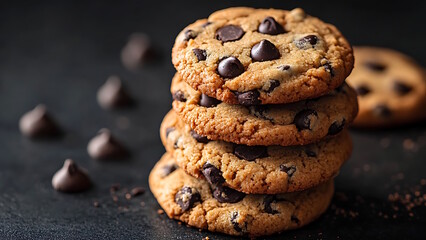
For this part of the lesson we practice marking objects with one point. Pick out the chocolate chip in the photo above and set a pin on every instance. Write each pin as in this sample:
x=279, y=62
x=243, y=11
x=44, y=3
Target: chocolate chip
x=267, y=201
x=264, y=51
x=270, y=26
x=336, y=127
x=260, y=111
x=295, y=219
x=207, y=101
x=187, y=197
x=104, y=146
x=284, y=67
x=341, y=88
x=167, y=169
x=248, y=98
x=229, y=33
x=362, y=90
x=289, y=170
x=272, y=85
x=250, y=153
x=306, y=42
x=375, y=66
x=71, y=178
x=304, y=118
x=310, y=153
x=234, y=217
x=225, y=194
x=179, y=96
x=113, y=94
x=198, y=137
x=230, y=67
x=190, y=34
x=329, y=69
x=176, y=144
x=401, y=88
x=201, y=54
x=169, y=130
x=38, y=123
x=382, y=110
x=137, y=51
x=212, y=174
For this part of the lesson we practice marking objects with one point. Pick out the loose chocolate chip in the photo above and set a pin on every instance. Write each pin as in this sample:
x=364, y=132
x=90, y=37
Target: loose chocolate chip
x=113, y=94
x=198, y=137
x=289, y=170
x=105, y=146
x=310, y=153
x=306, y=41
x=401, y=88
x=248, y=98
x=38, y=123
x=225, y=194
x=264, y=51
x=272, y=85
x=250, y=153
x=362, y=90
x=187, y=197
x=284, y=67
x=169, y=130
x=230, y=67
x=207, y=101
x=179, y=96
x=329, y=69
x=212, y=174
x=167, y=169
x=336, y=127
x=382, y=110
x=71, y=178
x=137, y=51
x=200, y=54
x=295, y=219
x=375, y=66
x=303, y=119
x=229, y=33
x=267, y=201
x=270, y=26
x=234, y=217
x=190, y=34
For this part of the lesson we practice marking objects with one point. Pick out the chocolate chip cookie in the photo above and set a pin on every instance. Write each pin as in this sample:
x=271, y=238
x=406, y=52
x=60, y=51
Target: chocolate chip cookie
x=261, y=56
x=254, y=169
x=391, y=88
x=297, y=123
x=196, y=203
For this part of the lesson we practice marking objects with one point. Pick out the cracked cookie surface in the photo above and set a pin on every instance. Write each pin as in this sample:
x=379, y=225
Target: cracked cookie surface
x=191, y=201
x=297, y=123
x=276, y=56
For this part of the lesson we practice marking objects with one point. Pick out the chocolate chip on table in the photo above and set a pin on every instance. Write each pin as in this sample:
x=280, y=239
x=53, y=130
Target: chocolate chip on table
x=38, y=123
x=167, y=169
x=105, y=146
x=267, y=201
x=264, y=51
x=186, y=197
x=272, y=85
x=71, y=178
x=189, y=34
x=306, y=42
x=179, y=96
x=248, y=98
x=303, y=119
x=230, y=67
x=289, y=170
x=198, y=137
x=362, y=90
x=113, y=94
x=169, y=130
x=310, y=153
x=137, y=51
x=375, y=66
x=212, y=174
x=225, y=194
x=401, y=88
x=207, y=101
x=270, y=26
x=250, y=153
x=336, y=127
x=201, y=54
x=382, y=110
x=229, y=33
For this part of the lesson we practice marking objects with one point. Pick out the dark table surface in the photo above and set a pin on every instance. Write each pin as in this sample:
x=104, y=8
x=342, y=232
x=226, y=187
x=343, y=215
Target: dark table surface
x=59, y=53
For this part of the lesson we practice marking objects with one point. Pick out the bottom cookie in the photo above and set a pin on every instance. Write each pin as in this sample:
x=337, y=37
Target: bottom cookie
x=193, y=202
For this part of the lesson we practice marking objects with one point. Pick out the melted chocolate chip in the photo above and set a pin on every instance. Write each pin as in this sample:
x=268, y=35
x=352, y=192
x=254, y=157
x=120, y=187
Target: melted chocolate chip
x=289, y=170
x=190, y=34
x=401, y=88
x=310, y=153
x=329, y=68
x=234, y=221
x=382, y=110
x=229, y=33
x=248, y=98
x=375, y=66
x=362, y=90
x=270, y=26
x=272, y=85
x=38, y=123
x=264, y=51
x=306, y=42
x=230, y=67
x=207, y=101
x=167, y=169
x=179, y=96
x=105, y=146
x=71, y=178
x=284, y=67
x=250, y=153
x=187, y=197
x=169, y=130
x=267, y=201
x=295, y=219
x=201, y=54
x=225, y=194
x=336, y=127
x=212, y=174
x=198, y=137
x=303, y=119
x=113, y=94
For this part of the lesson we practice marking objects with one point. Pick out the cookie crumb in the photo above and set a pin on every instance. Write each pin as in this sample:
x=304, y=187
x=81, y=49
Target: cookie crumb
x=136, y=191
x=96, y=204
x=160, y=211
x=128, y=196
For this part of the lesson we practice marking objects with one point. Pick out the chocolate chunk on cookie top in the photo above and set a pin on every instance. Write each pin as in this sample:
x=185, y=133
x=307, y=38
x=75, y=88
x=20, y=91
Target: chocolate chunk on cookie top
x=238, y=50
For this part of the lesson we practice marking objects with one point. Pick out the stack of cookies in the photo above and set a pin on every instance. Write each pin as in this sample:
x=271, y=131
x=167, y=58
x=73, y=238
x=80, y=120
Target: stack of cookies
x=257, y=131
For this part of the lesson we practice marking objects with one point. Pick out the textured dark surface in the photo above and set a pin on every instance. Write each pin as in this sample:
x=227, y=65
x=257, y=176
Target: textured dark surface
x=59, y=53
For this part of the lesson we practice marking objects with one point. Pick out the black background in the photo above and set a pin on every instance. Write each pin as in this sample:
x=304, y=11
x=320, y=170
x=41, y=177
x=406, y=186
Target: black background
x=59, y=53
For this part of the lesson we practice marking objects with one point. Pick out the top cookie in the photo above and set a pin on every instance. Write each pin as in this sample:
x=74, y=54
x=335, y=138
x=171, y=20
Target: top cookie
x=391, y=88
x=265, y=55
